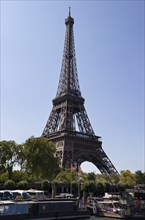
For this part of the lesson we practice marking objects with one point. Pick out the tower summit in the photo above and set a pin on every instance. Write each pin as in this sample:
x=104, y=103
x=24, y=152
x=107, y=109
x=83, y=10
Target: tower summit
x=68, y=125
x=68, y=82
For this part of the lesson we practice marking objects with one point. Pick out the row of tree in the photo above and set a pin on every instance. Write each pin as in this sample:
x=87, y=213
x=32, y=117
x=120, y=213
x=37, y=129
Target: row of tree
x=71, y=181
x=34, y=161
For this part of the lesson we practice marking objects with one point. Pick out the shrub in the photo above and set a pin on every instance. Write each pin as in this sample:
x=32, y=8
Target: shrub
x=9, y=184
x=22, y=184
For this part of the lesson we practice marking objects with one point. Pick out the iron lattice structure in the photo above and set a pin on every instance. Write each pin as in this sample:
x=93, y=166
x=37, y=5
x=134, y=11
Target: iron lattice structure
x=68, y=125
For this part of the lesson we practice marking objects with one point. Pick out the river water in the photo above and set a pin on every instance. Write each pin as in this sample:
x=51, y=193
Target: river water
x=102, y=218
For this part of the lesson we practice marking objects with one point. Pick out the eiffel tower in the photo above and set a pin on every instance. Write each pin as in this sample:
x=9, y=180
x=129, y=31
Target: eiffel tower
x=68, y=125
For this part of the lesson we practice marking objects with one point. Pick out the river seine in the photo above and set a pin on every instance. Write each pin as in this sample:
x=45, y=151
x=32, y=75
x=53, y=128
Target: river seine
x=103, y=218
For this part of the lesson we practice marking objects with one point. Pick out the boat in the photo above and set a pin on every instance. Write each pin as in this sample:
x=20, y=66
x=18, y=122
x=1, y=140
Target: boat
x=117, y=206
x=43, y=210
x=109, y=209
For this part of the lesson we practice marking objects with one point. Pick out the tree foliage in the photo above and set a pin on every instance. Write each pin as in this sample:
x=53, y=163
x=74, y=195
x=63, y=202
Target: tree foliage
x=139, y=177
x=39, y=158
x=45, y=185
x=20, y=175
x=127, y=178
x=91, y=176
x=8, y=156
x=66, y=176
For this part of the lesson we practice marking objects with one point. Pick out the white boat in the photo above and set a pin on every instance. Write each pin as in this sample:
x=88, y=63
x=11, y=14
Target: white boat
x=110, y=208
x=116, y=206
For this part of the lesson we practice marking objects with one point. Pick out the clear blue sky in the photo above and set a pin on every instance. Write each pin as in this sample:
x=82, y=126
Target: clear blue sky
x=109, y=43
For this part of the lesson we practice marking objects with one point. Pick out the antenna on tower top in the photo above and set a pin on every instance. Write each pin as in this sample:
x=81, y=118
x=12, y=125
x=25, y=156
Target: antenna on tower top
x=69, y=11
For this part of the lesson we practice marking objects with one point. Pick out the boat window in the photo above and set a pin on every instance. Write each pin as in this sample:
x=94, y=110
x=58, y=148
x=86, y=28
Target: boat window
x=2, y=209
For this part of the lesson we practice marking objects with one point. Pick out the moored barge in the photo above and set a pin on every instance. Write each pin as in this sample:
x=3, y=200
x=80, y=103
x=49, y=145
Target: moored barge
x=46, y=209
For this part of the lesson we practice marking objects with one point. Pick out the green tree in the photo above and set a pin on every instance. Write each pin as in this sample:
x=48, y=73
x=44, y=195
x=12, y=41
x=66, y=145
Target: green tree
x=66, y=176
x=9, y=184
x=45, y=185
x=39, y=158
x=62, y=177
x=20, y=175
x=2, y=169
x=8, y=156
x=139, y=177
x=100, y=189
x=121, y=186
x=91, y=176
x=127, y=178
x=4, y=177
x=92, y=187
x=21, y=157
